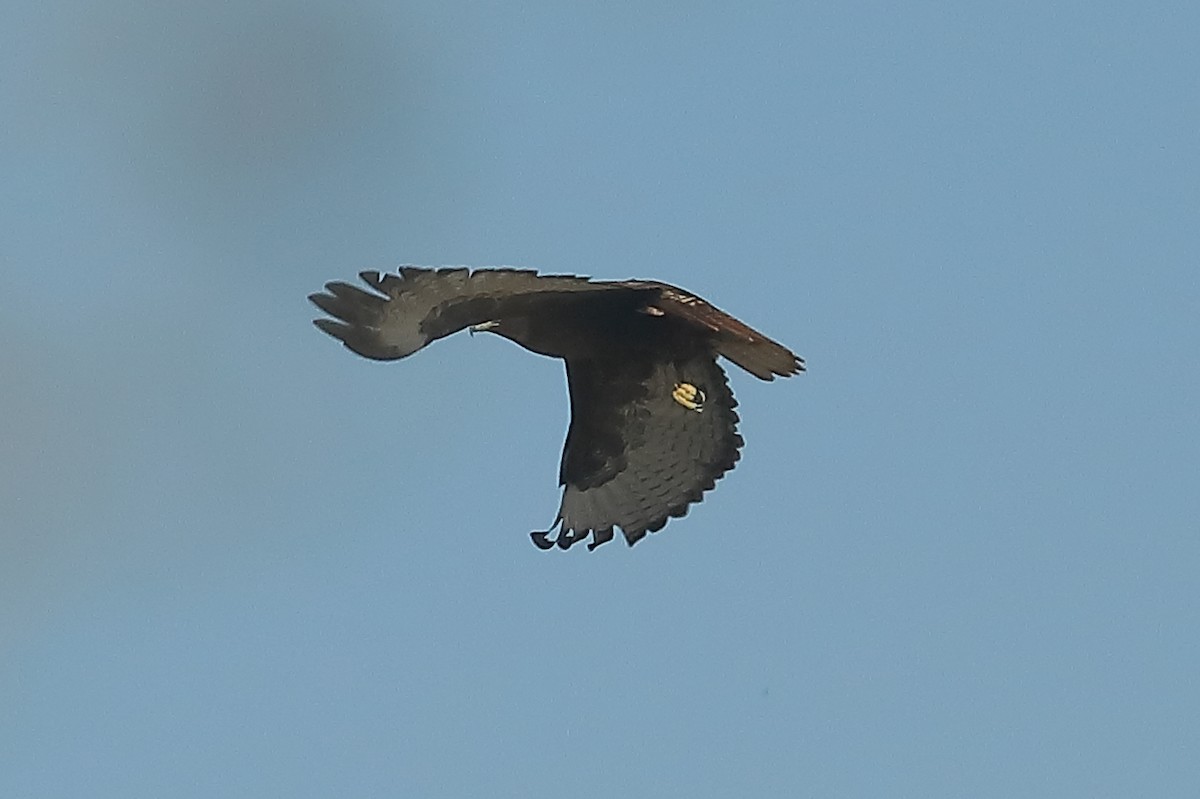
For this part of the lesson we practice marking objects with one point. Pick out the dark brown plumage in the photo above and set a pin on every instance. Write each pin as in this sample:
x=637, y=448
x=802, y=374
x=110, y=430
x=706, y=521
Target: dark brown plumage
x=653, y=424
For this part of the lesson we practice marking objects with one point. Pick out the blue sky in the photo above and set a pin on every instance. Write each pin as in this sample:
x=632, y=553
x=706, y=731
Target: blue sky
x=959, y=555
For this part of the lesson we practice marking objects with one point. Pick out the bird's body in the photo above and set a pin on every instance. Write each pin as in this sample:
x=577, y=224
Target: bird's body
x=653, y=424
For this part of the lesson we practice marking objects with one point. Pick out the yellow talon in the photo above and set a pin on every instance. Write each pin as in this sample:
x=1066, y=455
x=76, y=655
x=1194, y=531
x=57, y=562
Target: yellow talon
x=688, y=396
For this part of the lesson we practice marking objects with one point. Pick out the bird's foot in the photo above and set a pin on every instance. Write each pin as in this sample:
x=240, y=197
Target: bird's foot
x=689, y=396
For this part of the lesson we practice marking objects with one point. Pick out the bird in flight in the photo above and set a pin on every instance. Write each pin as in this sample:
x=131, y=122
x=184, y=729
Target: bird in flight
x=653, y=424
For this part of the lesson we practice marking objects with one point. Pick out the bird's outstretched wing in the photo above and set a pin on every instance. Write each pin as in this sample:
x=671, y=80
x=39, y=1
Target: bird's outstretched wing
x=759, y=355
x=647, y=439
x=409, y=310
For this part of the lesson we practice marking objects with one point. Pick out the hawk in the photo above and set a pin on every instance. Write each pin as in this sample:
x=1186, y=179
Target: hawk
x=653, y=424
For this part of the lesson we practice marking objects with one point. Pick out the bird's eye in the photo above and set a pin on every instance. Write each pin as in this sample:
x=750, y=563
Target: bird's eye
x=689, y=396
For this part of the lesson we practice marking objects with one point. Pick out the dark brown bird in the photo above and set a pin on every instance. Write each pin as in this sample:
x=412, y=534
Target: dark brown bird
x=653, y=424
